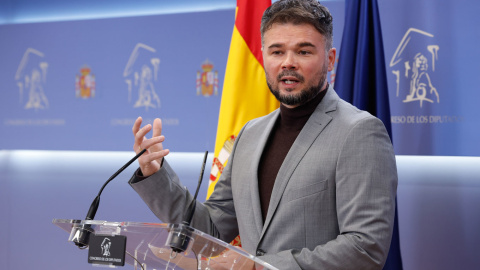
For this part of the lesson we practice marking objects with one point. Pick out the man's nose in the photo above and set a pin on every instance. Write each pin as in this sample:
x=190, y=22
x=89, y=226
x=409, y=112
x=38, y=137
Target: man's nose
x=290, y=62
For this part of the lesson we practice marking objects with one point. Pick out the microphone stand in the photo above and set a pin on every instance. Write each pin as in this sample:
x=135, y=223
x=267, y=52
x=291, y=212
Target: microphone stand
x=82, y=235
x=180, y=235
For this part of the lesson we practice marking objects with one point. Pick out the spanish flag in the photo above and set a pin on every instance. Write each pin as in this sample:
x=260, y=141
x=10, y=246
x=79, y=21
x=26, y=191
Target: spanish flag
x=245, y=94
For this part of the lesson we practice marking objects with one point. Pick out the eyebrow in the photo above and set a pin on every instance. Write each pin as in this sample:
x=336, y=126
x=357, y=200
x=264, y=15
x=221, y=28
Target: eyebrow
x=306, y=44
x=300, y=45
x=275, y=45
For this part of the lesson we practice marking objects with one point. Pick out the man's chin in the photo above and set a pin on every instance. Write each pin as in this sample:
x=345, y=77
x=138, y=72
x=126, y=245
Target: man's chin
x=292, y=99
x=290, y=91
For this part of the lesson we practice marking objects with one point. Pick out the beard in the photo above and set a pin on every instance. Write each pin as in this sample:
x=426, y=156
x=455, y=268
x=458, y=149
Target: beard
x=305, y=94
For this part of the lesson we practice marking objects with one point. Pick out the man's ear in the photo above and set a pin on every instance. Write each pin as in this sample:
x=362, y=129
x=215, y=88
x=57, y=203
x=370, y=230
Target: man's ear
x=332, y=53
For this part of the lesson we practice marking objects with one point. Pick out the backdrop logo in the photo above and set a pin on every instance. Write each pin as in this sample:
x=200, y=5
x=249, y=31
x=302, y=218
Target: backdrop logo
x=413, y=62
x=31, y=77
x=207, y=80
x=141, y=74
x=85, y=83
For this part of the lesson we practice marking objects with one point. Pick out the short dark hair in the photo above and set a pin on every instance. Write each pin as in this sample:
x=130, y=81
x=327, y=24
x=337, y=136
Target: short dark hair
x=300, y=12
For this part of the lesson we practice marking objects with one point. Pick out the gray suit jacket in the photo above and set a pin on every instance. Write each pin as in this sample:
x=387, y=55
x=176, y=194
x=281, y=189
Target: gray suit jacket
x=332, y=205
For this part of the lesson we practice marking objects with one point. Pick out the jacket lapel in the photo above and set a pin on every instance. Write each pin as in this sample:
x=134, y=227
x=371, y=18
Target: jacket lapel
x=257, y=155
x=312, y=129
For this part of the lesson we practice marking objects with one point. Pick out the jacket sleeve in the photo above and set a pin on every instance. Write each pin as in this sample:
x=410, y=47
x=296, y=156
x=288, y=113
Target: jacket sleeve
x=168, y=199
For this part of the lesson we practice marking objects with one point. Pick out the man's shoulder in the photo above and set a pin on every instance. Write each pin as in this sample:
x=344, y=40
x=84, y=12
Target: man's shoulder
x=262, y=121
x=346, y=108
x=350, y=115
x=334, y=105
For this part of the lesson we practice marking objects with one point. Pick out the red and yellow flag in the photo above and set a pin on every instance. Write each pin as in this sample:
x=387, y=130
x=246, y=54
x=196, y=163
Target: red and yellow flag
x=245, y=94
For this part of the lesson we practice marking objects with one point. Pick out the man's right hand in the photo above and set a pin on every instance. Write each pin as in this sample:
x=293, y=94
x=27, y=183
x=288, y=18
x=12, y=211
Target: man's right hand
x=151, y=161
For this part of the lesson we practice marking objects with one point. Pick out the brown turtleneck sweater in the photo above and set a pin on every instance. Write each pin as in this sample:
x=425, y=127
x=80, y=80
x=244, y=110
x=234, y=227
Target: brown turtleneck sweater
x=286, y=129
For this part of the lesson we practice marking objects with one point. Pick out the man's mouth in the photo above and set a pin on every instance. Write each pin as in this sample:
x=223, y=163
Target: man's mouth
x=289, y=80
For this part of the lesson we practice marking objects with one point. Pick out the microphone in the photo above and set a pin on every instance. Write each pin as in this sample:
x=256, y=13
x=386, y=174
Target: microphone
x=180, y=235
x=82, y=235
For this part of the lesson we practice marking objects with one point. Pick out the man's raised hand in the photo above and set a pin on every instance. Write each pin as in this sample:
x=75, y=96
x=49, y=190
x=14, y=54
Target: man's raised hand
x=151, y=161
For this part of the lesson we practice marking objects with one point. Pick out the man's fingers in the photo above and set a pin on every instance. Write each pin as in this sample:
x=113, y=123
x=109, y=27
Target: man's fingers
x=136, y=125
x=141, y=134
x=147, y=158
x=147, y=143
x=157, y=127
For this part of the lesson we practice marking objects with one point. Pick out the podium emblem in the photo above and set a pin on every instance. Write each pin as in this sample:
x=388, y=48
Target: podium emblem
x=107, y=249
x=106, y=244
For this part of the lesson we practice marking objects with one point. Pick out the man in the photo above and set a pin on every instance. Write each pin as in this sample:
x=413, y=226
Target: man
x=309, y=186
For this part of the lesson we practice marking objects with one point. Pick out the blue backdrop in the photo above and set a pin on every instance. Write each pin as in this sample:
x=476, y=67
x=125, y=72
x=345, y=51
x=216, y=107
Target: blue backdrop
x=138, y=66
x=148, y=66
x=431, y=69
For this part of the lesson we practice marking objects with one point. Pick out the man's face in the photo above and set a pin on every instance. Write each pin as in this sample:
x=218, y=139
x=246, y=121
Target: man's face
x=296, y=63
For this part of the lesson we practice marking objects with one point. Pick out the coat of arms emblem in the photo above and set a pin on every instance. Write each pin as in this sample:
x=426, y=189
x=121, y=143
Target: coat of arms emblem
x=85, y=83
x=207, y=80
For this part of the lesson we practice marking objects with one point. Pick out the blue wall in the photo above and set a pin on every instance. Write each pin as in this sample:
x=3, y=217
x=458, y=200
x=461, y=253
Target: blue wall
x=30, y=11
x=57, y=39
x=162, y=56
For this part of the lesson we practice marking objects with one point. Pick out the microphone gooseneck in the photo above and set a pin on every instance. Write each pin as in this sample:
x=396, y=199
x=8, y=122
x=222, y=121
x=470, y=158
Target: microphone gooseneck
x=83, y=233
x=180, y=235
x=94, y=206
x=191, y=208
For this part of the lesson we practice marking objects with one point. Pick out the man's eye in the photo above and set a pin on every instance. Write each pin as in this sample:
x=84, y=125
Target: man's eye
x=276, y=52
x=304, y=52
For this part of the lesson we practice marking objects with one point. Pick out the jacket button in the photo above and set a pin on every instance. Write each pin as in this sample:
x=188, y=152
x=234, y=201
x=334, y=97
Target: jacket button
x=260, y=252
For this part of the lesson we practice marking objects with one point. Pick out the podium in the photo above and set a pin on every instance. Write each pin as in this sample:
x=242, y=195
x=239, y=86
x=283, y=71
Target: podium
x=149, y=245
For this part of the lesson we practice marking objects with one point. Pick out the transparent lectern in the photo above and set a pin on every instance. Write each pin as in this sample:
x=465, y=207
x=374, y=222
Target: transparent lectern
x=149, y=245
